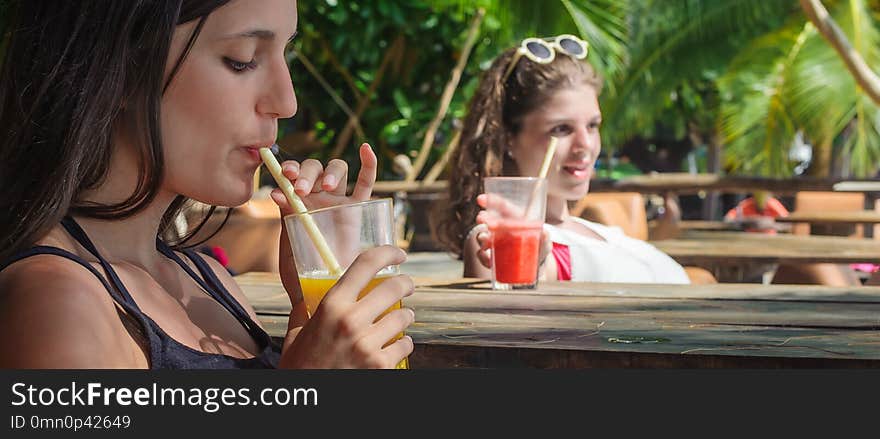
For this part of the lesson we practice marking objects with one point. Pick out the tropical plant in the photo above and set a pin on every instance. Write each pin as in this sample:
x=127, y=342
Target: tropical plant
x=387, y=63
x=766, y=77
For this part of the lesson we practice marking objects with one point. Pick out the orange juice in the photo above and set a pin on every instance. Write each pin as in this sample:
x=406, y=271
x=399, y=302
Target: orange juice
x=315, y=286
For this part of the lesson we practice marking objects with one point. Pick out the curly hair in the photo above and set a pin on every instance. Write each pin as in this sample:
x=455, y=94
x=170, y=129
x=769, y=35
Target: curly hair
x=494, y=118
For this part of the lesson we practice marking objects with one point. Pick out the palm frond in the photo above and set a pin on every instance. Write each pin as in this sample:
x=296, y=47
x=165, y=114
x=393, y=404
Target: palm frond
x=755, y=121
x=679, y=42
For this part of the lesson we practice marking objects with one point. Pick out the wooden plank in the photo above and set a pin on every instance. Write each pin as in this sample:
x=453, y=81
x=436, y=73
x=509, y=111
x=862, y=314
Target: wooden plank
x=566, y=324
x=574, y=347
x=266, y=288
x=832, y=217
x=682, y=183
x=696, y=247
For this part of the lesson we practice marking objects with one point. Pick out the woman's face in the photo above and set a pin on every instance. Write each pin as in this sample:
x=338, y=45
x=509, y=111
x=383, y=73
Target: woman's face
x=225, y=100
x=572, y=115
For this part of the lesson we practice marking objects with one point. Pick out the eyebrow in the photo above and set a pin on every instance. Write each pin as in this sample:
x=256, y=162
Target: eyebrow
x=260, y=34
x=595, y=118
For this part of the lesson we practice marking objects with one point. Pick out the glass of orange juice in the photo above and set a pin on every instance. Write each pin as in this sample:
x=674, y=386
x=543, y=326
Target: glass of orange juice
x=348, y=230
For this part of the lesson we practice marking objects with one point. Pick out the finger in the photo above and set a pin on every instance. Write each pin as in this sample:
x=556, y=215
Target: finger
x=487, y=219
x=367, y=174
x=384, y=331
x=484, y=239
x=281, y=200
x=400, y=349
x=290, y=169
x=310, y=171
x=485, y=257
x=335, y=176
x=501, y=206
x=383, y=296
x=362, y=271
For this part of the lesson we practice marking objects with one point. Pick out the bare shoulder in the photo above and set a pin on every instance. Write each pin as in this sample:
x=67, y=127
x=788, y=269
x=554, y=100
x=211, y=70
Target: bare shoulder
x=56, y=314
x=231, y=286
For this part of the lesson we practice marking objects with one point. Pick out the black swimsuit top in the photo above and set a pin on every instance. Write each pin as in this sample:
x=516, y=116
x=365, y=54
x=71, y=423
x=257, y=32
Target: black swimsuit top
x=165, y=352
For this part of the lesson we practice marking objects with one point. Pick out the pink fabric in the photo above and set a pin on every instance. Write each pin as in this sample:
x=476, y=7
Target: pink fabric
x=220, y=255
x=563, y=261
x=867, y=268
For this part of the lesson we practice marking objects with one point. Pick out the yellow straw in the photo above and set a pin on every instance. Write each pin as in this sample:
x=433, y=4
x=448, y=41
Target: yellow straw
x=548, y=157
x=311, y=228
x=545, y=166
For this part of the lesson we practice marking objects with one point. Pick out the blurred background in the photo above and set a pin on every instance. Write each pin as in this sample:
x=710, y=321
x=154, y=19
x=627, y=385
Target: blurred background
x=741, y=87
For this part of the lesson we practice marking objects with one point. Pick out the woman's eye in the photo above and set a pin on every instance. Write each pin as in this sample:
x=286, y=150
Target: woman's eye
x=595, y=125
x=560, y=130
x=239, y=66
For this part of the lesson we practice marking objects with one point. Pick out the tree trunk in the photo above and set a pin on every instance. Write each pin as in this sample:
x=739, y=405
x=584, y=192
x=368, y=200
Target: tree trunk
x=712, y=204
x=821, y=165
x=861, y=72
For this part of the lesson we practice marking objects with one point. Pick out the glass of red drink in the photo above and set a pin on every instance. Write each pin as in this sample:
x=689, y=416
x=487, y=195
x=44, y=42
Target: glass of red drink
x=515, y=218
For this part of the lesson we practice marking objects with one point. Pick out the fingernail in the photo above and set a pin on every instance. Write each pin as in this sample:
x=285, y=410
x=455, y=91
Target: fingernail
x=330, y=180
x=412, y=314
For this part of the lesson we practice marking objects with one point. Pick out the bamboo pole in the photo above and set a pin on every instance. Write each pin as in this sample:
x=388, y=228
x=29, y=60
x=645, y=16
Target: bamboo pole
x=435, y=171
x=333, y=95
x=364, y=101
x=446, y=98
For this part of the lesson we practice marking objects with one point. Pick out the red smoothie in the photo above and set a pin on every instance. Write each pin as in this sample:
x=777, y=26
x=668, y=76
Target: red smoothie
x=515, y=246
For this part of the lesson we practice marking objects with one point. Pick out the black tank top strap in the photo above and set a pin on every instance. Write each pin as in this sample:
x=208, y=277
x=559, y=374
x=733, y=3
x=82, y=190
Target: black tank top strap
x=49, y=250
x=128, y=306
x=166, y=352
x=80, y=236
x=215, y=288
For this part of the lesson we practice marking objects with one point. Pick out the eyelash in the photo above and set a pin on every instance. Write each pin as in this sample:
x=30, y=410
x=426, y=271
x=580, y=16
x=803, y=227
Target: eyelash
x=565, y=129
x=238, y=66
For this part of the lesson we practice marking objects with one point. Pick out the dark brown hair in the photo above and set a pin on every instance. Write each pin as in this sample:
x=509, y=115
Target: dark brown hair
x=72, y=73
x=494, y=118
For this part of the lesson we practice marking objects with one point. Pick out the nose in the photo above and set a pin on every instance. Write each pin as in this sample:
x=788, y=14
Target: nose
x=279, y=98
x=584, y=142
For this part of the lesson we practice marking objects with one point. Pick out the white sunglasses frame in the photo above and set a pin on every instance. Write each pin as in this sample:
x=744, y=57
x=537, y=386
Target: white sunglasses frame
x=552, y=46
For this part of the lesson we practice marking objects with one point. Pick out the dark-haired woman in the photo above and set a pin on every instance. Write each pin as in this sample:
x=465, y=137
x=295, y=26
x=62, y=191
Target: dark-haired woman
x=113, y=115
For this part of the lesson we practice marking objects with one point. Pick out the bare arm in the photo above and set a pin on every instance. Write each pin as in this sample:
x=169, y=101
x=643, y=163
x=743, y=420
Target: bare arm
x=667, y=226
x=55, y=314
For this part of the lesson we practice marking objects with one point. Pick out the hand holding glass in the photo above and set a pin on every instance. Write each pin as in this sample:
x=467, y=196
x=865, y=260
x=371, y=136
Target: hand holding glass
x=515, y=209
x=348, y=230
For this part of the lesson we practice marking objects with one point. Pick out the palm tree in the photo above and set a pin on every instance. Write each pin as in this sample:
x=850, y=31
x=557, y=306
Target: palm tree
x=798, y=83
x=773, y=74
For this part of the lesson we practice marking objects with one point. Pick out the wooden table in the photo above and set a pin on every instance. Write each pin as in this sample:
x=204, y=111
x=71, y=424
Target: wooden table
x=831, y=217
x=695, y=247
x=579, y=325
x=727, y=226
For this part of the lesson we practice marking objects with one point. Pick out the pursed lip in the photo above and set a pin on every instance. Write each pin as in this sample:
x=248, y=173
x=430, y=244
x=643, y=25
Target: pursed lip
x=253, y=149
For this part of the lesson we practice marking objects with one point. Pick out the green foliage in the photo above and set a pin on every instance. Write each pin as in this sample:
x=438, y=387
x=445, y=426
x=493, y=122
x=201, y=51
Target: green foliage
x=347, y=41
x=753, y=73
x=678, y=49
x=792, y=80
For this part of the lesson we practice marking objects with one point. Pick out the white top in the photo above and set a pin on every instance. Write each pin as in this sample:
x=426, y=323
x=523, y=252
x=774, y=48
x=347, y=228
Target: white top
x=617, y=259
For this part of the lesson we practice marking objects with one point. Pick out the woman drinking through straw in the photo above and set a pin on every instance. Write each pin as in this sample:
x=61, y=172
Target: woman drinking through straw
x=113, y=115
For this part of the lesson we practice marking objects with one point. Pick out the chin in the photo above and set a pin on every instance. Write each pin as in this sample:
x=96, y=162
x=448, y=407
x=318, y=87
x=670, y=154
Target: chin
x=575, y=192
x=229, y=196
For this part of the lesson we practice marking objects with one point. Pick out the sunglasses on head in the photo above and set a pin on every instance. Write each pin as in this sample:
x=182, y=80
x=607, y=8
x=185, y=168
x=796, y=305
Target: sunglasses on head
x=543, y=50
